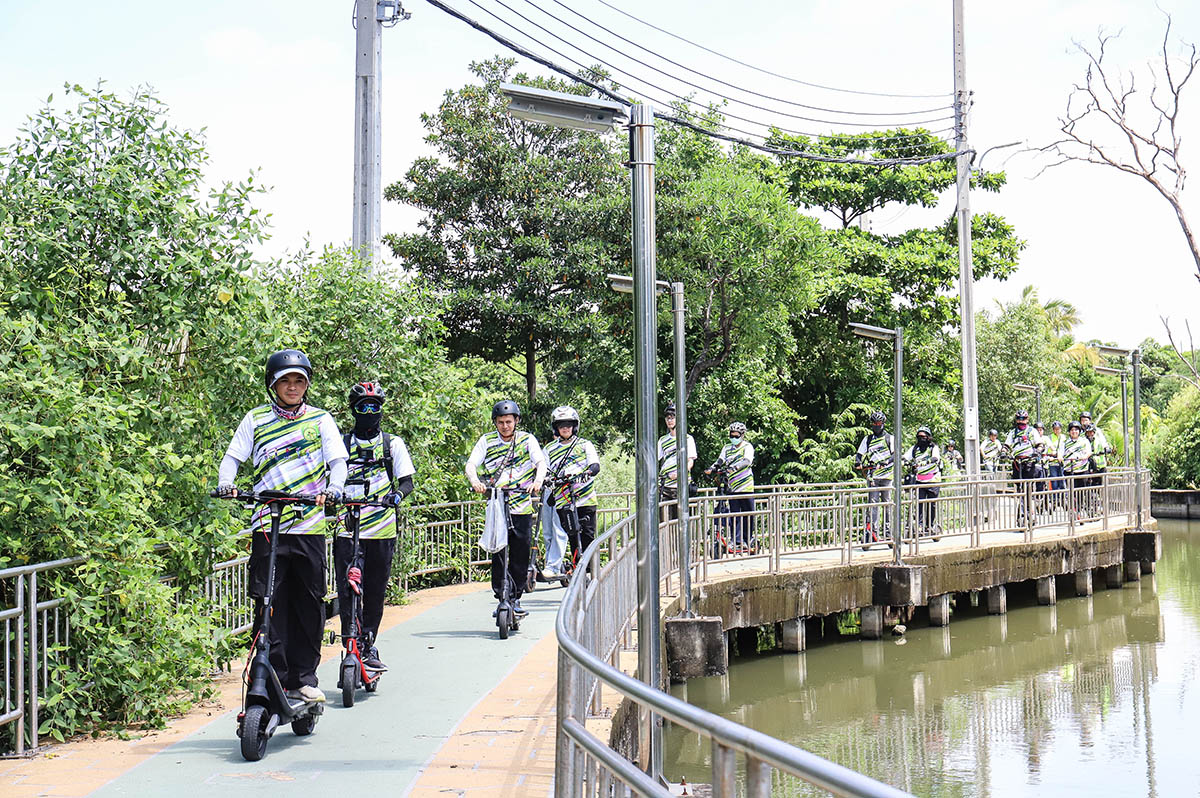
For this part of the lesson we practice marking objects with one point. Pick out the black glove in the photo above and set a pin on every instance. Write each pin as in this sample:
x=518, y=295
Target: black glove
x=332, y=495
x=225, y=491
x=392, y=499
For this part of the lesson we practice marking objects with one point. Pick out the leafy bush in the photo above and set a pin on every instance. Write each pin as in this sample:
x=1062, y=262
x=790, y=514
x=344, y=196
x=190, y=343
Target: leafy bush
x=1174, y=451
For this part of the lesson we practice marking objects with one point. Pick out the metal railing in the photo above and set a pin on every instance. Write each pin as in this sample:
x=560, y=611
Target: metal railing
x=435, y=539
x=785, y=522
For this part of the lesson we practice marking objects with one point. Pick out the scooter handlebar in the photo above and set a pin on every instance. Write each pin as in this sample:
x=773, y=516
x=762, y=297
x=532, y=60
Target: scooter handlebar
x=268, y=496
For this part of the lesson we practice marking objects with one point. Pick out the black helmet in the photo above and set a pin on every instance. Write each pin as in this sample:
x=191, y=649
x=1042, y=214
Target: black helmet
x=1085, y=414
x=286, y=361
x=1056, y=425
x=878, y=418
x=1022, y=415
x=1074, y=425
x=366, y=390
x=1089, y=428
x=505, y=407
x=670, y=409
x=926, y=430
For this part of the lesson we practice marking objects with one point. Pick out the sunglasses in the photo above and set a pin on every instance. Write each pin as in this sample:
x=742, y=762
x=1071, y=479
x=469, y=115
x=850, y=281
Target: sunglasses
x=369, y=406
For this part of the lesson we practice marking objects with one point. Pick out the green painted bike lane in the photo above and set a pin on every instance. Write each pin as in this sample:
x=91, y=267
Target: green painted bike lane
x=441, y=663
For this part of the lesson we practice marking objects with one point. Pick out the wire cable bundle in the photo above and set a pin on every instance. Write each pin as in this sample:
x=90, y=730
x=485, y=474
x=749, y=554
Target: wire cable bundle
x=903, y=148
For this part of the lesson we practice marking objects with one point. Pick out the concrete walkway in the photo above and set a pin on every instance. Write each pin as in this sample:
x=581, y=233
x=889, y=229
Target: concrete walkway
x=460, y=711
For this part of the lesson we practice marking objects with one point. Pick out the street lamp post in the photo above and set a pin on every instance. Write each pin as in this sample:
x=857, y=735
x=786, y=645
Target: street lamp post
x=562, y=109
x=896, y=336
x=1135, y=357
x=1124, y=375
x=1036, y=390
x=624, y=284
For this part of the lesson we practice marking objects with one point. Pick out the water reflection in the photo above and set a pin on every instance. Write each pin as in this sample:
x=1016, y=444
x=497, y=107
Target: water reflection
x=1095, y=696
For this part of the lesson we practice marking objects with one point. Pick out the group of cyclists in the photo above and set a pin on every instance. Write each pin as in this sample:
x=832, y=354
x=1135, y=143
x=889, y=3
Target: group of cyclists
x=1081, y=453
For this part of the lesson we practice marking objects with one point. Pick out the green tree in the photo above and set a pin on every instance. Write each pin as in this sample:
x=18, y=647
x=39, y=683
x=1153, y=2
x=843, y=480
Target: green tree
x=125, y=315
x=1174, y=450
x=517, y=216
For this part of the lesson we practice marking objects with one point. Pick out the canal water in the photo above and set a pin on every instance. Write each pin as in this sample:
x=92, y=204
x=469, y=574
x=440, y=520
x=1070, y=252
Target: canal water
x=1096, y=696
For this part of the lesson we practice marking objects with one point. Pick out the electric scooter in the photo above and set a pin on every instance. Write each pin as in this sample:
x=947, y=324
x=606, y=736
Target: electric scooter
x=353, y=672
x=572, y=529
x=506, y=617
x=265, y=703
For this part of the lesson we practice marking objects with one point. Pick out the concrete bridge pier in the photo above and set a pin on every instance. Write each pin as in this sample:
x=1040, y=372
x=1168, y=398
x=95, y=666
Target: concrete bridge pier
x=1083, y=582
x=939, y=610
x=997, y=600
x=1133, y=571
x=871, y=619
x=1143, y=548
x=1113, y=578
x=792, y=636
x=1047, y=591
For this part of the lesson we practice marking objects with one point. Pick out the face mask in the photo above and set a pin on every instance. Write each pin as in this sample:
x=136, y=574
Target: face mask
x=923, y=443
x=366, y=425
x=735, y=440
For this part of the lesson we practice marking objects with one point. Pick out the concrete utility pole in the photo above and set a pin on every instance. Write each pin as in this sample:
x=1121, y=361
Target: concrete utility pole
x=370, y=16
x=966, y=276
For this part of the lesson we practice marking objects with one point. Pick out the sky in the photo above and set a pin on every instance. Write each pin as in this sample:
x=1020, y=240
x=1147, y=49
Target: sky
x=272, y=85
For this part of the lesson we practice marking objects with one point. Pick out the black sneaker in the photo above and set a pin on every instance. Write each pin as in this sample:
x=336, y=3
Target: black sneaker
x=372, y=662
x=518, y=610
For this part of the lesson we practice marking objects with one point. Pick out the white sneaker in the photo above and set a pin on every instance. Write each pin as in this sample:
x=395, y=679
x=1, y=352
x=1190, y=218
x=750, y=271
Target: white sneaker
x=311, y=694
x=549, y=574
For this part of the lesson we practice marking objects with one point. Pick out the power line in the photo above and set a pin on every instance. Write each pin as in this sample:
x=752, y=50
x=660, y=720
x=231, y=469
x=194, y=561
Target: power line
x=527, y=53
x=724, y=82
x=767, y=71
x=619, y=71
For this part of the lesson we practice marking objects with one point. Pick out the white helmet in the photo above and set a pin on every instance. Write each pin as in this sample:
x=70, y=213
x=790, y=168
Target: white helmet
x=564, y=415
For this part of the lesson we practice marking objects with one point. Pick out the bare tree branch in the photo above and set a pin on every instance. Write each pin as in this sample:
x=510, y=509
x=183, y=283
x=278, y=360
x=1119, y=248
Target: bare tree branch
x=1190, y=363
x=1108, y=122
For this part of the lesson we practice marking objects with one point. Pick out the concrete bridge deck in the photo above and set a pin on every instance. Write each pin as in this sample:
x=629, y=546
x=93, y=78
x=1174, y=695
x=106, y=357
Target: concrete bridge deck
x=459, y=713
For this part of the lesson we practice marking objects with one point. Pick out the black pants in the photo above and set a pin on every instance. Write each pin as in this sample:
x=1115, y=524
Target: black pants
x=743, y=525
x=298, y=606
x=926, y=509
x=375, y=561
x=587, y=529
x=520, y=532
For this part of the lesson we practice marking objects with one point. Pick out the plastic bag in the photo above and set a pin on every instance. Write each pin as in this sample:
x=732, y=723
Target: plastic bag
x=495, y=526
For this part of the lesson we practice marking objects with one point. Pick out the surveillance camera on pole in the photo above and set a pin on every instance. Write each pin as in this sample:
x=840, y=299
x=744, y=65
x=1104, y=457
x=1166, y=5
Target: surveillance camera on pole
x=561, y=109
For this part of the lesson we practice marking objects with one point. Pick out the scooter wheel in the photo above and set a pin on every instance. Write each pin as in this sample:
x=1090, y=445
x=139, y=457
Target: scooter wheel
x=304, y=725
x=566, y=580
x=531, y=581
x=502, y=623
x=254, y=733
x=349, y=672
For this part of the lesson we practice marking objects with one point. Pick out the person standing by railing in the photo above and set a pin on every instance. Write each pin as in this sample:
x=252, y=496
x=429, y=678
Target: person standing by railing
x=1076, y=458
x=875, y=457
x=668, y=461
x=737, y=459
x=295, y=448
x=989, y=452
x=1054, y=462
x=924, y=460
x=1024, y=445
x=510, y=460
x=380, y=469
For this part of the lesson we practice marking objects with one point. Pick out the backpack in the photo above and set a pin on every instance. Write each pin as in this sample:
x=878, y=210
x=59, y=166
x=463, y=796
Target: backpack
x=348, y=439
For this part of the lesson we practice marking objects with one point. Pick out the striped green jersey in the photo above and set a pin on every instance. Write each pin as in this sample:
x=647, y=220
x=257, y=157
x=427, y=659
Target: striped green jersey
x=571, y=457
x=668, y=462
x=1075, y=455
x=741, y=454
x=511, y=464
x=287, y=456
x=926, y=463
x=374, y=523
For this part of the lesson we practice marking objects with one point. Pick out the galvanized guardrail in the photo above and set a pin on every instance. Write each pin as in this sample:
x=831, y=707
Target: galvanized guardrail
x=596, y=616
